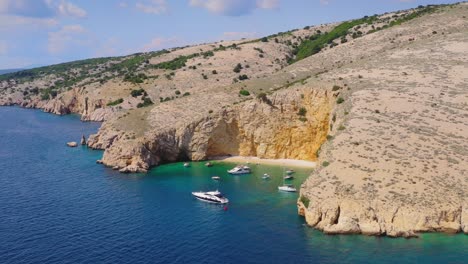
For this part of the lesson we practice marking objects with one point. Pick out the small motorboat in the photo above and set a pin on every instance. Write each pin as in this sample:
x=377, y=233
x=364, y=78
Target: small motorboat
x=266, y=176
x=211, y=197
x=240, y=169
x=287, y=188
x=209, y=164
x=216, y=178
x=289, y=172
x=288, y=177
x=186, y=164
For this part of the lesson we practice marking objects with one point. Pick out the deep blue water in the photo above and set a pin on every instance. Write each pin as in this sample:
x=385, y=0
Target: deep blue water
x=58, y=206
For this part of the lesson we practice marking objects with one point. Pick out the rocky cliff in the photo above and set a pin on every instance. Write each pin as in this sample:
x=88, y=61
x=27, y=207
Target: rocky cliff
x=73, y=101
x=289, y=124
x=397, y=163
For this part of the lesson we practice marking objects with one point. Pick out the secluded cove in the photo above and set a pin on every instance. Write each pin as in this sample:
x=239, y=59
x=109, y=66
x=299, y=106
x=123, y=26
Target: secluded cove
x=58, y=206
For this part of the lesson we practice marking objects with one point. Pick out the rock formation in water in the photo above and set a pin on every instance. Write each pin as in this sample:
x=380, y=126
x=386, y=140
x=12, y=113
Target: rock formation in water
x=83, y=140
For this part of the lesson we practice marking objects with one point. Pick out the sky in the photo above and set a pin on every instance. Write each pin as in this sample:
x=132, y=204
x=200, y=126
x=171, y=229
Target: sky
x=44, y=32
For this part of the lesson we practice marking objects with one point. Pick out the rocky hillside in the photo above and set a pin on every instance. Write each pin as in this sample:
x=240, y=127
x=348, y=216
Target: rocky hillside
x=386, y=94
x=397, y=162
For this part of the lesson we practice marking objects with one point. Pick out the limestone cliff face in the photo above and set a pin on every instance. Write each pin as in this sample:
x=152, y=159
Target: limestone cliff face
x=268, y=128
x=72, y=101
x=397, y=164
x=351, y=216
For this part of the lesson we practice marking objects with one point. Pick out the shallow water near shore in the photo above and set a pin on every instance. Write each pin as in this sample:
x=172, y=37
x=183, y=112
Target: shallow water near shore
x=58, y=206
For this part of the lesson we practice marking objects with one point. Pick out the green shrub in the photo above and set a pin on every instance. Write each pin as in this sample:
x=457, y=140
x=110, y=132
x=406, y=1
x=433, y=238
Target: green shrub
x=177, y=92
x=176, y=63
x=186, y=94
x=244, y=92
x=136, y=93
x=302, y=111
x=139, y=78
x=264, y=39
x=318, y=41
x=214, y=72
x=259, y=50
x=325, y=163
x=238, y=68
x=336, y=88
x=305, y=201
x=116, y=102
x=340, y=100
x=243, y=77
x=146, y=102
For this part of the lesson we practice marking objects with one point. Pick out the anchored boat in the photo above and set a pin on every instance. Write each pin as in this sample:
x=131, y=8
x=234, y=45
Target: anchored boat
x=211, y=197
x=287, y=188
x=240, y=169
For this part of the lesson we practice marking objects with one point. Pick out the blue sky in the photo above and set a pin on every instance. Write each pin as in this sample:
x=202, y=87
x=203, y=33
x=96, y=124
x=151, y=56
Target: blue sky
x=42, y=32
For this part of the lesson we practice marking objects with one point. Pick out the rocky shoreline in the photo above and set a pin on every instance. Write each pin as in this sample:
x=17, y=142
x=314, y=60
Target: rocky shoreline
x=348, y=216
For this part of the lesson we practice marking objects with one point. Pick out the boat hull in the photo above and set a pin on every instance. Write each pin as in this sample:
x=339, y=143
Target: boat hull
x=208, y=199
x=238, y=173
x=287, y=189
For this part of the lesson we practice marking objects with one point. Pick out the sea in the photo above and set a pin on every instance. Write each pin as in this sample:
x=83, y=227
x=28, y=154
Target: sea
x=58, y=206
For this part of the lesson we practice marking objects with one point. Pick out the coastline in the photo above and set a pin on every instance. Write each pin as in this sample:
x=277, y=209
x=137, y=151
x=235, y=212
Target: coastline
x=255, y=160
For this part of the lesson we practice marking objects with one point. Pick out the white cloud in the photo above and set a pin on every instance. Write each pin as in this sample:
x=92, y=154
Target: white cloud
x=8, y=22
x=108, y=48
x=161, y=43
x=267, y=4
x=26, y=8
x=3, y=47
x=234, y=7
x=65, y=8
x=40, y=8
x=238, y=35
x=152, y=7
x=67, y=37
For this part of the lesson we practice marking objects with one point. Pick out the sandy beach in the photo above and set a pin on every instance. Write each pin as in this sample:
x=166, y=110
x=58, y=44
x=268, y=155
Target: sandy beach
x=255, y=160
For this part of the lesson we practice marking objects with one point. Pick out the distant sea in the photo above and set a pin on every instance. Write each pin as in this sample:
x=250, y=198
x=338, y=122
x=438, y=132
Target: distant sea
x=5, y=71
x=58, y=206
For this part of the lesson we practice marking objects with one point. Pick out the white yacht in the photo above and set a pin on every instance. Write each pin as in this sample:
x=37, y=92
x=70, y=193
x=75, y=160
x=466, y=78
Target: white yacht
x=211, y=197
x=288, y=177
x=266, y=176
x=287, y=188
x=216, y=178
x=241, y=169
x=289, y=172
x=186, y=164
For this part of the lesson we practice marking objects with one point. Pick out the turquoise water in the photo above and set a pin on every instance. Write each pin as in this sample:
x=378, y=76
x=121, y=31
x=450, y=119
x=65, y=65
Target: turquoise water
x=58, y=206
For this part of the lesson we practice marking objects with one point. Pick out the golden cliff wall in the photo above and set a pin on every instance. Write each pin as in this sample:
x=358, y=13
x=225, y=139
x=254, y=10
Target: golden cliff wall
x=268, y=128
